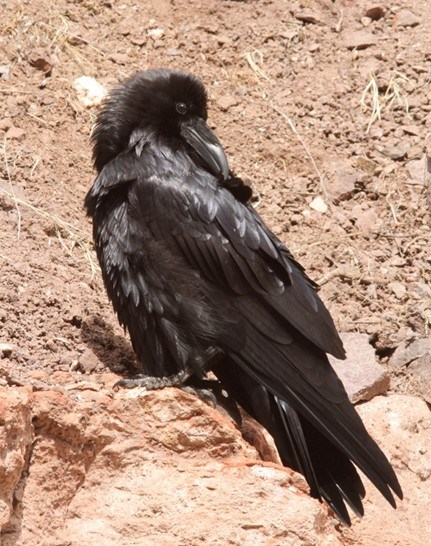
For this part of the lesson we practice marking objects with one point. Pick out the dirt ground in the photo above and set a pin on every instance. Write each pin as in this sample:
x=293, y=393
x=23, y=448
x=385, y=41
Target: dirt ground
x=319, y=99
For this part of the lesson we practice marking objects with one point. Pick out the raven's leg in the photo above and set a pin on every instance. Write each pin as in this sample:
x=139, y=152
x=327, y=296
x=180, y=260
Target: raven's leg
x=151, y=383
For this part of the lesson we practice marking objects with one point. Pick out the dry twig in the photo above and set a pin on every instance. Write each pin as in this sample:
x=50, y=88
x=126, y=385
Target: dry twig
x=304, y=145
x=12, y=190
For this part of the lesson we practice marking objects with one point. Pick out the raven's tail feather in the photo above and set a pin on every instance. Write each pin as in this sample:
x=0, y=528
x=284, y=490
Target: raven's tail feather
x=302, y=446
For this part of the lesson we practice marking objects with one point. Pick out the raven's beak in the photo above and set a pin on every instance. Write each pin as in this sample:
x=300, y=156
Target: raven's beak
x=200, y=137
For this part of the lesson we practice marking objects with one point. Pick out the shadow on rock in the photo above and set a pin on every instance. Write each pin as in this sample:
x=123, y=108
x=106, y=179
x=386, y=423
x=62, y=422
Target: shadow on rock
x=106, y=349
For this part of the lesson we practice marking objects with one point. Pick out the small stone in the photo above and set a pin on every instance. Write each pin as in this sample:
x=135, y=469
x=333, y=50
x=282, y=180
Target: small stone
x=90, y=92
x=398, y=289
x=415, y=152
x=420, y=371
x=398, y=151
x=343, y=180
x=120, y=58
x=170, y=52
x=411, y=130
x=420, y=170
x=4, y=72
x=6, y=349
x=227, y=101
x=368, y=222
x=368, y=66
x=223, y=40
x=416, y=357
x=138, y=40
x=5, y=124
x=319, y=205
x=406, y=18
x=156, y=33
x=88, y=361
x=366, y=165
x=405, y=354
x=421, y=289
x=75, y=40
x=362, y=376
x=41, y=62
x=308, y=16
x=123, y=28
x=359, y=40
x=375, y=12
x=15, y=133
x=376, y=132
x=296, y=219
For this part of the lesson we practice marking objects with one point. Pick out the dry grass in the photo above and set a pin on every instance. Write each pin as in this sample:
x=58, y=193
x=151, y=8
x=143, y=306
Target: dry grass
x=52, y=32
x=255, y=61
x=306, y=149
x=61, y=35
x=378, y=103
x=12, y=190
x=69, y=236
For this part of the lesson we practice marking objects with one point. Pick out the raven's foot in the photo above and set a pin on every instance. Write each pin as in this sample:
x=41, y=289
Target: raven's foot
x=203, y=394
x=151, y=383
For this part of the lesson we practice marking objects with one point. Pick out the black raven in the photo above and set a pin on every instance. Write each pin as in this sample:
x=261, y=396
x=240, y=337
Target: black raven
x=201, y=284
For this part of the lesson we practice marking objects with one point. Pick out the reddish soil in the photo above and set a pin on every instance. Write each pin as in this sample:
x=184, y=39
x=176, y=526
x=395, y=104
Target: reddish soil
x=292, y=124
x=286, y=82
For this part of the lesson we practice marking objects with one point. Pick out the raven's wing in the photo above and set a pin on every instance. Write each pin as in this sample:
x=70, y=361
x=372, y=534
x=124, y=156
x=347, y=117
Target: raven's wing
x=286, y=327
x=230, y=245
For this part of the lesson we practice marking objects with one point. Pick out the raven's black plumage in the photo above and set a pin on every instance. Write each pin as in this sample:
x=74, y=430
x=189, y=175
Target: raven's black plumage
x=201, y=283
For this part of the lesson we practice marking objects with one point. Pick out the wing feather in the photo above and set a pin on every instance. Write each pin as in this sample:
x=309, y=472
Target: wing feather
x=225, y=239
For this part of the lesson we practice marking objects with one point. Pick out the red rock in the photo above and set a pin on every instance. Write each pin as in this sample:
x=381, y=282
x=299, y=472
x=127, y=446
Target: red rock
x=368, y=222
x=359, y=40
x=411, y=130
x=15, y=133
x=144, y=468
x=119, y=58
x=398, y=151
x=360, y=373
x=405, y=354
x=342, y=181
x=420, y=376
x=40, y=59
x=406, y=18
x=398, y=289
x=15, y=440
x=375, y=12
x=402, y=425
x=309, y=16
x=138, y=40
x=420, y=170
x=88, y=361
x=5, y=124
x=4, y=72
x=227, y=101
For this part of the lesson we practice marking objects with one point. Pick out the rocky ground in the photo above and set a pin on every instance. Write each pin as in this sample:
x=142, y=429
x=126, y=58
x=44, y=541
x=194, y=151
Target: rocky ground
x=325, y=108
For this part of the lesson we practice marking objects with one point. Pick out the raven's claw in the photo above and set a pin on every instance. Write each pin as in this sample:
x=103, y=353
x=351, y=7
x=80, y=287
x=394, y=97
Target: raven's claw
x=151, y=383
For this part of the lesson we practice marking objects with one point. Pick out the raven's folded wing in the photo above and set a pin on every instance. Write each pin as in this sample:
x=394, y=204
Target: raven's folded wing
x=231, y=247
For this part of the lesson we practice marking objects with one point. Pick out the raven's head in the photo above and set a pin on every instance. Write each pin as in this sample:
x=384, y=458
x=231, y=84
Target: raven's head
x=162, y=102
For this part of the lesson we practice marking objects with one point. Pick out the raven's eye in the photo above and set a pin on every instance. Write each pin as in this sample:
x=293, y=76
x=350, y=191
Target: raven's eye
x=181, y=107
